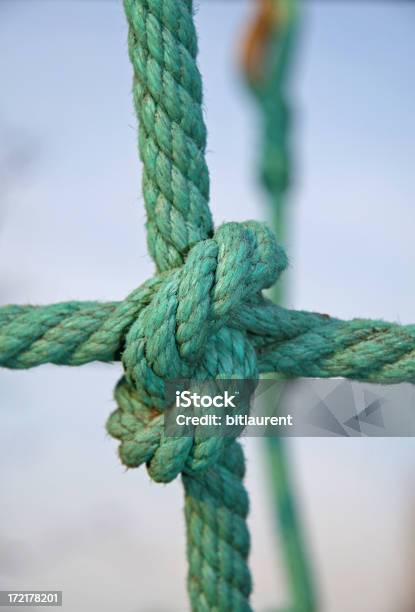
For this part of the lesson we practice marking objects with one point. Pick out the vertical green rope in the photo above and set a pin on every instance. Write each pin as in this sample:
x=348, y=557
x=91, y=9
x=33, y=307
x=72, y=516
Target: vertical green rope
x=167, y=92
x=269, y=87
x=218, y=540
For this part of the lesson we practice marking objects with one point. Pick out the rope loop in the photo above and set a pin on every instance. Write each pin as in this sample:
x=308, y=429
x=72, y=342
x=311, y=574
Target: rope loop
x=186, y=332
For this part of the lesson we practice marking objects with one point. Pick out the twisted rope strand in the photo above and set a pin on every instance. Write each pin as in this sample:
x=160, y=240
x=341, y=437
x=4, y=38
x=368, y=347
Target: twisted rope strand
x=167, y=92
x=287, y=342
x=218, y=538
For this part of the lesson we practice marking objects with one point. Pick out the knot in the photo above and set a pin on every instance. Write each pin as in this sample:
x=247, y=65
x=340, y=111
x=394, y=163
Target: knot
x=186, y=332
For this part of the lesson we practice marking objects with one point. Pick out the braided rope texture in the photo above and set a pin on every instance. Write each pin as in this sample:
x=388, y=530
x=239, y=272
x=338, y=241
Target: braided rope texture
x=217, y=505
x=287, y=342
x=167, y=91
x=184, y=331
x=202, y=316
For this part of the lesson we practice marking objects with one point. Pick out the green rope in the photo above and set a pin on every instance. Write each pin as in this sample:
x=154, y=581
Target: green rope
x=167, y=92
x=217, y=536
x=201, y=317
x=268, y=83
x=289, y=343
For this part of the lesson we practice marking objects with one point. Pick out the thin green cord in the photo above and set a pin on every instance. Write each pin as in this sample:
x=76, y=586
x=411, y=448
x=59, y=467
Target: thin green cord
x=288, y=523
x=270, y=91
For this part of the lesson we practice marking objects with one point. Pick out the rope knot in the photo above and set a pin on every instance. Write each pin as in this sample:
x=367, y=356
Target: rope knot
x=186, y=332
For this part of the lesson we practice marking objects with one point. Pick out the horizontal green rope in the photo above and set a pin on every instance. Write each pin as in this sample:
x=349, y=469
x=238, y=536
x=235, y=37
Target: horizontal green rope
x=287, y=342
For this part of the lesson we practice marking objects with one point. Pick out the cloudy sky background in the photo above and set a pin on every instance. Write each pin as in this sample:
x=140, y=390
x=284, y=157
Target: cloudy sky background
x=71, y=227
